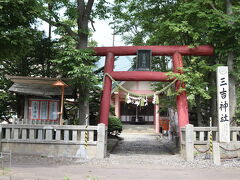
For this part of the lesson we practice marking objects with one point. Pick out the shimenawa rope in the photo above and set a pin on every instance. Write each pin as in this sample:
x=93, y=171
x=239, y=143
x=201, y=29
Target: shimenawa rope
x=139, y=95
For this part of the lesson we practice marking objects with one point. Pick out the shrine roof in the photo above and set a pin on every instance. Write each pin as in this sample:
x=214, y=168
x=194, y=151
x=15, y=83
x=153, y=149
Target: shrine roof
x=39, y=86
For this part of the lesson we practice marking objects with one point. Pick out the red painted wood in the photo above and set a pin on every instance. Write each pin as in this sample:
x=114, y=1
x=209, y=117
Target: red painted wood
x=139, y=76
x=177, y=63
x=182, y=104
x=105, y=100
x=204, y=50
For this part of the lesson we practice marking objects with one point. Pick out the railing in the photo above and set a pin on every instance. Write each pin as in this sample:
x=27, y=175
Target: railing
x=194, y=138
x=48, y=134
x=55, y=134
x=201, y=135
x=34, y=122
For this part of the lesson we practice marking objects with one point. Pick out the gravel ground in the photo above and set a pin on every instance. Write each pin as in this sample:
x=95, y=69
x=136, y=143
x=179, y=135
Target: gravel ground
x=137, y=156
x=152, y=150
x=133, y=150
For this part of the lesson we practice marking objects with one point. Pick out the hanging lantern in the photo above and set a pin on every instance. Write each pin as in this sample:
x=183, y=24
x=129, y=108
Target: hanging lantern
x=143, y=60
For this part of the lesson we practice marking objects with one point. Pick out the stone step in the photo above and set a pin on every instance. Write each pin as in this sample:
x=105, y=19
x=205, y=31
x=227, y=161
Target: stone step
x=138, y=129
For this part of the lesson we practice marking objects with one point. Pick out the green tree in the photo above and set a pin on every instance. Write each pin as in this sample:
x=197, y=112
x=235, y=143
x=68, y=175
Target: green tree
x=71, y=19
x=18, y=39
x=180, y=22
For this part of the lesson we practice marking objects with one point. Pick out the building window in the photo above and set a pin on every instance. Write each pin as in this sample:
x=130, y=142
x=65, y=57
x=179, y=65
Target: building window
x=44, y=109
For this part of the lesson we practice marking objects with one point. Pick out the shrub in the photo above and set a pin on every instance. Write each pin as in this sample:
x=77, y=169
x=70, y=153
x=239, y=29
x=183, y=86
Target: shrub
x=114, y=126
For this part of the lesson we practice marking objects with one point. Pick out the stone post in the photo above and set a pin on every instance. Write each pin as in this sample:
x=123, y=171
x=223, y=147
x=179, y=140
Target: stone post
x=216, y=154
x=49, y=131
x=101, y=141
x=189, y=143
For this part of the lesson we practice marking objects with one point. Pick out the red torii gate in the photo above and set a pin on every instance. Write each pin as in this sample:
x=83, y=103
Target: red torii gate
x=175, y=51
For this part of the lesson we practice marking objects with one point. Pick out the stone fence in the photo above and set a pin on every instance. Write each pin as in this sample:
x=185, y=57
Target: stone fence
x=201, y=135
x=197, y=139
x=54, y=140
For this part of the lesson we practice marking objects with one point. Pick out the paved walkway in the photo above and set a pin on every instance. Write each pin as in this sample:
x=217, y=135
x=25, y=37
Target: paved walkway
x=137, y=157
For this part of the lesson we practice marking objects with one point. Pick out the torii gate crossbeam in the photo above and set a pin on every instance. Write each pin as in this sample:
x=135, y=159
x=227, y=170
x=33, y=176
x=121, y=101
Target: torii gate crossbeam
x=175, y=51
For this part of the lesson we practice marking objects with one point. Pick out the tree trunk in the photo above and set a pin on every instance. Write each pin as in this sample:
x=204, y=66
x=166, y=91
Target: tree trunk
x=83, y=113
x=232, y=87
x=229, y=7
x=230, y=63
x=48, y=64
x=83, y=32
x=83, y=91
x=213, y=106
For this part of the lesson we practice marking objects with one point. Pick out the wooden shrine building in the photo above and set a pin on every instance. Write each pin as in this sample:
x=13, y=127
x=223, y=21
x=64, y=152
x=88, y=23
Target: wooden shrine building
x=39, y=99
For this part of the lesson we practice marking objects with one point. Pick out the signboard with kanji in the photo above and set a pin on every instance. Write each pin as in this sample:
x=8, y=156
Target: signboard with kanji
x=44, y=109
x=223, y=104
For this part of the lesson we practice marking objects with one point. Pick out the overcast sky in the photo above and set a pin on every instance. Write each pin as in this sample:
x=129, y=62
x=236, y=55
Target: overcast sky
x=104, y=37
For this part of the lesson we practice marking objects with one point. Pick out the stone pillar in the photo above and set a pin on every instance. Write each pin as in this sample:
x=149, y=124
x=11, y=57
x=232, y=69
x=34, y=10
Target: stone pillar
x=216, y=154
x=106, y=96
x=189, y=143
x=101, y=141
x=182, y=104
x=156, y=117
x=117, y=104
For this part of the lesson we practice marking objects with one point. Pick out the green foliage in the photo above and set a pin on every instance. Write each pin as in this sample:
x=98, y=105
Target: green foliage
x=20, y=46
x=112, y=110
x=195, y=80
x=16, y=18
x=77, y=64
x=25, y=51
x=6, y=102
x=66, y=178
x=74, y=60
x=237, y=116
x=181, y=22
x=114, y=125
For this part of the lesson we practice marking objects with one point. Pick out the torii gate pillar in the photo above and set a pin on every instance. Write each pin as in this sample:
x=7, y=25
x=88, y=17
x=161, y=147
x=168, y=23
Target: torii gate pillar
x=107, y=87
x=182, y=104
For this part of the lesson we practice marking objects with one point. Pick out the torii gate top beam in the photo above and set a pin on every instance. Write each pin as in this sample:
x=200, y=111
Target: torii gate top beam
x=204, y=50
